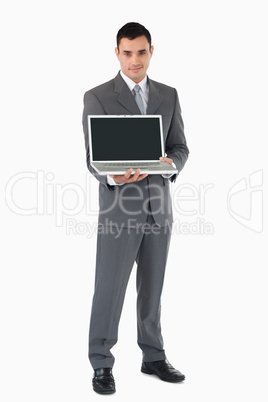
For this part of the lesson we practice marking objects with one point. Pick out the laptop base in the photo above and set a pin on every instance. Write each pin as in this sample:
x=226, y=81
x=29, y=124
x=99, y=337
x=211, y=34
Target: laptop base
x=162, y=168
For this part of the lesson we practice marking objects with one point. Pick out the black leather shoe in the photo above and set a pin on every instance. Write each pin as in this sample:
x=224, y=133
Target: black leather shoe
x=163, y=369
x=103, y=381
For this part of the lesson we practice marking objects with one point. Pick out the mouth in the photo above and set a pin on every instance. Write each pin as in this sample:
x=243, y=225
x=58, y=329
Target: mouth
x=135, y=69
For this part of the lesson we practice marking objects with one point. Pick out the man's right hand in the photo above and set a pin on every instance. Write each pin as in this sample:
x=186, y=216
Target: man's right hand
x=128, y=177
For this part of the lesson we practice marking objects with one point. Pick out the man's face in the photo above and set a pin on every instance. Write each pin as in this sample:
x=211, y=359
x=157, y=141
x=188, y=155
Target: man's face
x=134, y=57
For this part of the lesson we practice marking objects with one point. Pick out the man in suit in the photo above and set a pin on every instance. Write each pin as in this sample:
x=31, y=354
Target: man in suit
x=135, y=214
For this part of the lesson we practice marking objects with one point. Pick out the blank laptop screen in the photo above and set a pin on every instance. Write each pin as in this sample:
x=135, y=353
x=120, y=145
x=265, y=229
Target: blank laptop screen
x=125, y=138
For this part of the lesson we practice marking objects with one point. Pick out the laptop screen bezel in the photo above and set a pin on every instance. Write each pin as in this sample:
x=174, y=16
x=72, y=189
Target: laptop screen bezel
x=121, y=117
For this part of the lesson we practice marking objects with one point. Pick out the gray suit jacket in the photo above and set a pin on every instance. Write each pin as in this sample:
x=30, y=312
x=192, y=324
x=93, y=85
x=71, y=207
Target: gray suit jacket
x=127, y=205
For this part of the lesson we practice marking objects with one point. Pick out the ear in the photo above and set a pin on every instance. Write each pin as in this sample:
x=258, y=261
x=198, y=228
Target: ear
x=152, y=50
x=116, y=51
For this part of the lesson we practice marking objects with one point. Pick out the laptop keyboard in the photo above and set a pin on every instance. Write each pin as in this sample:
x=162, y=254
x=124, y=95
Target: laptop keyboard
x=134, y=165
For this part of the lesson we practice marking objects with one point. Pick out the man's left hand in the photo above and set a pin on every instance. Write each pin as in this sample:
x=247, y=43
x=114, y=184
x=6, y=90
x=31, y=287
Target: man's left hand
x=168, y=160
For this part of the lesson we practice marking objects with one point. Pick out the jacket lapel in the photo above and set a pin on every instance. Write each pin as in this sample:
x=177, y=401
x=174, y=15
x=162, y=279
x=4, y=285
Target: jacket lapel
x=155, y=97
x=126, y=98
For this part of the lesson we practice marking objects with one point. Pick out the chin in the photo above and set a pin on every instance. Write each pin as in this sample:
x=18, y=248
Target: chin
x=138, y=77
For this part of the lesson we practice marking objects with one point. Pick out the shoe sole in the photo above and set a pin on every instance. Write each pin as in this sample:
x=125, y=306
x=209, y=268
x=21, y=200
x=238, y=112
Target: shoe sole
x=146, y=371
x=104, y=392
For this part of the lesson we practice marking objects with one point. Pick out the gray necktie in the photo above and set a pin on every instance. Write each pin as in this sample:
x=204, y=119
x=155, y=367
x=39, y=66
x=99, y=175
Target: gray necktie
x=138, y=98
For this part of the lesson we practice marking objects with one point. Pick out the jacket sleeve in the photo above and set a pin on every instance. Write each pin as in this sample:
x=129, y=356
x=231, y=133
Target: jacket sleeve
x=92, y=106
x=176, y=146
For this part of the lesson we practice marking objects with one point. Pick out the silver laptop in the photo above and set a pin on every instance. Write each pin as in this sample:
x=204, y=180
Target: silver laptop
x=118, y=143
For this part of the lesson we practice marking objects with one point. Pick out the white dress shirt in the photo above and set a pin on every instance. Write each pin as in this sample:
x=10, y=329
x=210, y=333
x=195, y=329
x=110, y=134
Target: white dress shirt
x=144, y=92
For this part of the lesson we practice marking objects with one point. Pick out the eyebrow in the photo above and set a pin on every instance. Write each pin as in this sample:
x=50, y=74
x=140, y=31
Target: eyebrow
x=128, y=51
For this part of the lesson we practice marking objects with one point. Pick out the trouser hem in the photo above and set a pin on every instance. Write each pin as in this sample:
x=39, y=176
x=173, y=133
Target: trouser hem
x=154, y=357
x=102, y=363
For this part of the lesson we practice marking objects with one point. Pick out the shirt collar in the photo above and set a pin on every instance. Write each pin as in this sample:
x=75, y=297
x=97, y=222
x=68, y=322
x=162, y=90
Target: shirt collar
x=131, y=84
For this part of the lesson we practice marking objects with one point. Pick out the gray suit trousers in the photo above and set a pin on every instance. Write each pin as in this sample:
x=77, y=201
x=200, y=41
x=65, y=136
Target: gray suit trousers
x=116, y=255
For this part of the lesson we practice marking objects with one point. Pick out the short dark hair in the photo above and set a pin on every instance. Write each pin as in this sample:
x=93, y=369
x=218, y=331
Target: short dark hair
x=133, y=30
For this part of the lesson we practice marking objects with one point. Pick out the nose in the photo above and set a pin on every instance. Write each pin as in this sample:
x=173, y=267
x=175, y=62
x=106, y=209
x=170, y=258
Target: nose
x=135, y=59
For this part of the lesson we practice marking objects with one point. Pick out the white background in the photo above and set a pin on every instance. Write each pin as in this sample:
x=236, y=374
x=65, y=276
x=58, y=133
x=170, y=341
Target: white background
x=214, y=305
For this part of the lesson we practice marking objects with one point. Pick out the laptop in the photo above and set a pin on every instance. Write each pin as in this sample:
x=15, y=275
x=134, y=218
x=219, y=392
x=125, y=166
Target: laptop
x=118, y=143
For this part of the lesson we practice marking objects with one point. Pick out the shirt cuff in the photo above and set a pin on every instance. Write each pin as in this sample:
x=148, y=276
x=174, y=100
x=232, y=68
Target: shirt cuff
x=167, y=176
x=111, y=181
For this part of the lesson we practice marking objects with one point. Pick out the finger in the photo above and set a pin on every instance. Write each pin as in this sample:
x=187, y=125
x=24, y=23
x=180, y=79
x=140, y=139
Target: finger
x=136, y=175
x=128, y=173
x=168, y=160
x=164, y=158
x=142, y=176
